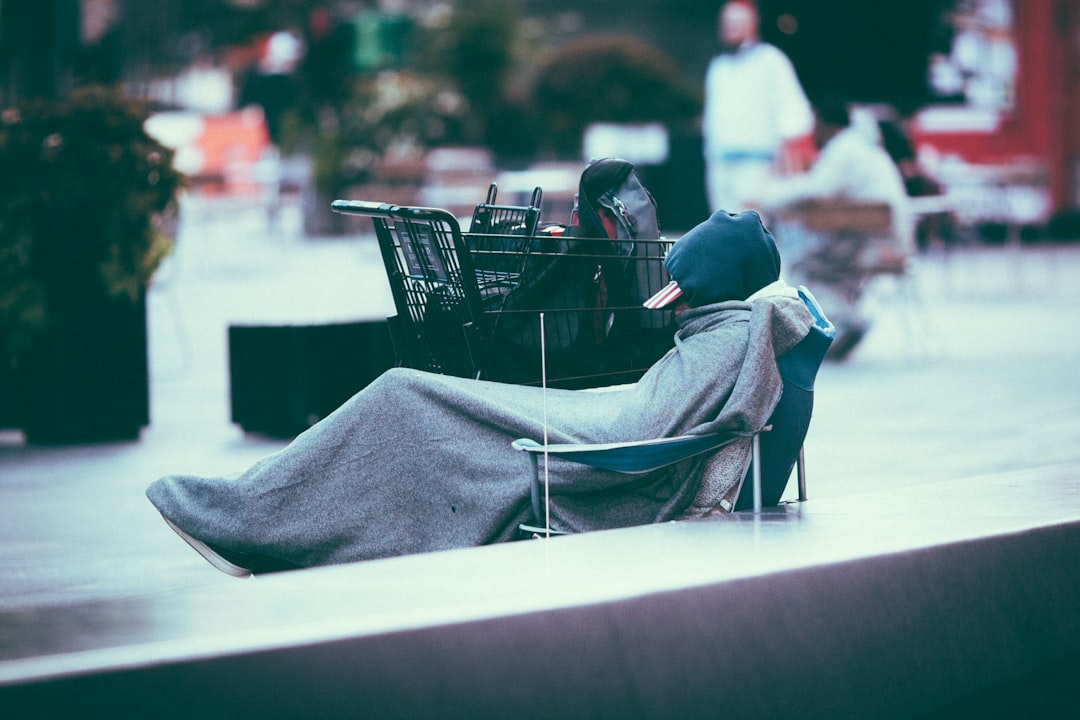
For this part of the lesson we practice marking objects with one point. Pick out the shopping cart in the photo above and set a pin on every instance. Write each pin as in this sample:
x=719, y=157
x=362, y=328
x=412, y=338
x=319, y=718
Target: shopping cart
x=490, y=217
x=473, y=304
x=494, y=238
x=574, y=314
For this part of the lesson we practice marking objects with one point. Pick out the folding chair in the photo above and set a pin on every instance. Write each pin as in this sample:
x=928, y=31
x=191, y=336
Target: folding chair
x=777, y=448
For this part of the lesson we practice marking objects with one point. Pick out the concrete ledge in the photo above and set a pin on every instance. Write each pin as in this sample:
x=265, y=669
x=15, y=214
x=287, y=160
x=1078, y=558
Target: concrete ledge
x=893, y=604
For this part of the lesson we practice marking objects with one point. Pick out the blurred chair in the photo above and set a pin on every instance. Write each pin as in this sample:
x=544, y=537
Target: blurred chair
x=861, y=233
x=842, y=245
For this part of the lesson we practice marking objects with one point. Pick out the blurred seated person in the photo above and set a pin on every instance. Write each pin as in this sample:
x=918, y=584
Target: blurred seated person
x=419, y=462
x=843, y=221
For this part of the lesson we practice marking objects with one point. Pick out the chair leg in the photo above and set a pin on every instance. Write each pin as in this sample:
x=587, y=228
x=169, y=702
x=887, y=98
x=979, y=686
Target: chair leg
x=756, y=462
x=540, y=521
x=800, y=470
x=537, y=532
x=534, y=492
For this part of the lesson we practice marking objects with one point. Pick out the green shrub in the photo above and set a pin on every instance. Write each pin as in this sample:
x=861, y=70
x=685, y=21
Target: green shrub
x=608, y=79
x=82, y=190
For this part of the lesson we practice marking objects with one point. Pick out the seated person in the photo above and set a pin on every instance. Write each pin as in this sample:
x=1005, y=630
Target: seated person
x=851, y=166
x=419, y=462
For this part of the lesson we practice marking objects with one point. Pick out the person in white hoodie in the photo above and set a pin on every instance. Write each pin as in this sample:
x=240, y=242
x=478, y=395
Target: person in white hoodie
x=755, y=109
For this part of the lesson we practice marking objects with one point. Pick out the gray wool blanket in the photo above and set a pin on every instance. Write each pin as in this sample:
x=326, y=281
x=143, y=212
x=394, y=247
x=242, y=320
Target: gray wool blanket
x=419, y=462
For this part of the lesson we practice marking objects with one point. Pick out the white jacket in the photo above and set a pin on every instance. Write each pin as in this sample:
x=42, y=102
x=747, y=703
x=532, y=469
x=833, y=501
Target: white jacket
x=852, y=166
x=753, y=102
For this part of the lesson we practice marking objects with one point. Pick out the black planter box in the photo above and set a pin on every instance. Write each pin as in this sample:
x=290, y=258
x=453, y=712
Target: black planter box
x=87, y=378
x=284, y=379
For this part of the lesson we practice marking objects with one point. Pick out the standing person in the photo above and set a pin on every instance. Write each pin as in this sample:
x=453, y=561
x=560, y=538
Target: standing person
x=272, y=83
x=852, y=166
x=754, y=109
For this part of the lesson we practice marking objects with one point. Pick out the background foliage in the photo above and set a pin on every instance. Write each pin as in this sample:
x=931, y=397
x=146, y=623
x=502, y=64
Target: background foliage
x=82, y=190
x=608, y=79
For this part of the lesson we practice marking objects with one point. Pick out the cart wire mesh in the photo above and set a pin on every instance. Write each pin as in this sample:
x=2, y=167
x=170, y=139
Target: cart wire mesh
x=469, y=303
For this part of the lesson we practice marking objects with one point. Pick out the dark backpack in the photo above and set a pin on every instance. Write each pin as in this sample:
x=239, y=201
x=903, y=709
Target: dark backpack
x=578, y=280
x=613, y=203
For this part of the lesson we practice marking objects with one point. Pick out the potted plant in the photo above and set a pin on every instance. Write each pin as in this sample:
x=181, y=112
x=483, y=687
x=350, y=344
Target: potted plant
x=83, y=192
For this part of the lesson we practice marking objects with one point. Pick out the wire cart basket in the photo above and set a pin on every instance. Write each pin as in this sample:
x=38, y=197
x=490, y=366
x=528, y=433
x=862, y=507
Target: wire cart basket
x=470, y=303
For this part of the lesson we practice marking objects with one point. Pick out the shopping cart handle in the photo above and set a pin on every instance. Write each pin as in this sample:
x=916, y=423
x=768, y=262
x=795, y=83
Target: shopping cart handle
x=362, y=207
x=389, y=210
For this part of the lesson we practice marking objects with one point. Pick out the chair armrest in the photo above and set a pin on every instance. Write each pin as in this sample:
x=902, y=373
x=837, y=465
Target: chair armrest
x=838, y=214
x=821, y=322
x=635, y=457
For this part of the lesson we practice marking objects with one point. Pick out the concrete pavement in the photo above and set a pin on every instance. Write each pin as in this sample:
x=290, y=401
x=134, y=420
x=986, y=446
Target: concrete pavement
x=968, y=371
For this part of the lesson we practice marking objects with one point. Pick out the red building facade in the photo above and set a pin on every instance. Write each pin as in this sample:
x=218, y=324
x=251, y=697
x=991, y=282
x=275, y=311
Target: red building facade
x=1036, y=128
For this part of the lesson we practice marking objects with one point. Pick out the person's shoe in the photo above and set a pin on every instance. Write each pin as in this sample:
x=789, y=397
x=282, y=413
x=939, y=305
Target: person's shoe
x=256, y=563
x=210, y=554
x=233, y=562
x=844, y=344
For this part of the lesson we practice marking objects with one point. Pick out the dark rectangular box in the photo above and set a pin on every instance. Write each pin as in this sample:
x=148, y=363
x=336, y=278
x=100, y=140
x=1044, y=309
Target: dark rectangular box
x=284, y=379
